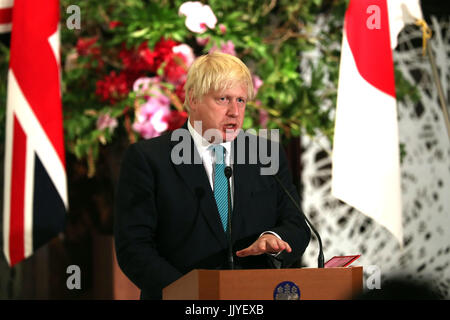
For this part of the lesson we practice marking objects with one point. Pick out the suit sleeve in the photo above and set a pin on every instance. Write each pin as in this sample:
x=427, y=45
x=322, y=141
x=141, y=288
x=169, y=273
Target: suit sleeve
x=136, y=219
x=291, y=226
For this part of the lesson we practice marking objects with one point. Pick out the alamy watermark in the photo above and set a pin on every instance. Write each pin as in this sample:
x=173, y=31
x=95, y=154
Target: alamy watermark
x=251, y=147
x=74, y=20
x=374, y=20
x=74, y=279
x=373, y=280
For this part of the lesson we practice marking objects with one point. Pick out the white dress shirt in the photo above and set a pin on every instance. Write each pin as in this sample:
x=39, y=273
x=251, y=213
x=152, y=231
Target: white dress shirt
x=205, y=150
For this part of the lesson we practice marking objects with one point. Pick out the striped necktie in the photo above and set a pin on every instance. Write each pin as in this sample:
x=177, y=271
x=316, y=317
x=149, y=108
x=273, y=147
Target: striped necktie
x=220, y=184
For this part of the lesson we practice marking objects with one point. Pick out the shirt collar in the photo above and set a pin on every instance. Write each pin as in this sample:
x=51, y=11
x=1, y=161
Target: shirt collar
x=202, y=144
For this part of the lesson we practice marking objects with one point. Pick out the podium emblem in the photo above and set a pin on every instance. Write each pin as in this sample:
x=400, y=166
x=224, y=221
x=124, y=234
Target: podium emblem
x=286, y=290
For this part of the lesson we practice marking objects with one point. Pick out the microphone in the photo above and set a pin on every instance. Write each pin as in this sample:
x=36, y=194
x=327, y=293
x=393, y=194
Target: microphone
x=228, y=173
x=320, y=259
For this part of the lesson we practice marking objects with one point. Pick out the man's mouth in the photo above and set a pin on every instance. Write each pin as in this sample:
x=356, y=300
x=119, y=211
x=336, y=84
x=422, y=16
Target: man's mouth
x=230, y=126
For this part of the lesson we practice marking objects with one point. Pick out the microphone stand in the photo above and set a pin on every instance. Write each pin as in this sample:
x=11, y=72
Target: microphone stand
x=320, y=259
x=228, y=173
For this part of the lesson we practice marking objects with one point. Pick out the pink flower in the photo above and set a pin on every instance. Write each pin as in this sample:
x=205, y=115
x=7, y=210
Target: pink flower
x=145, y=129
x=202, y=41
x=198, y=16
x=152, y=124
x=222, y=28
x=257, y=83
x=151, y=117
x=155, y=102
x=106, y=121
x=227, y=47
x=141, y=85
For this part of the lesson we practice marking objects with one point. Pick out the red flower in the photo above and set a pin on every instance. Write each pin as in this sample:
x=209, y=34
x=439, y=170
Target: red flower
x=112, y=88
x=113, y=24
x=138, y=60
x=179, y=91
x=146, y=55
x=88, y=47
x=175, y=69
x=163, y=51
x=85, y=46
x=175, y=119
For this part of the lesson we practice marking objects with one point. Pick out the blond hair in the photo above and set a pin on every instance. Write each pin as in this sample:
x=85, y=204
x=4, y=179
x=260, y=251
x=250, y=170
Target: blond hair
x=216, y=71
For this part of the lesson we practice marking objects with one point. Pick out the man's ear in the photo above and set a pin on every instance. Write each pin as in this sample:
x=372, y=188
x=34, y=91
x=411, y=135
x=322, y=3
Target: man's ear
x=192, y=101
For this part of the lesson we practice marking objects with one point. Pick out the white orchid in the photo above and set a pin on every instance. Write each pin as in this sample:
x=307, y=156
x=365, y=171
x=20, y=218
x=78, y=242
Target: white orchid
x=198, y=16
x=186, y=51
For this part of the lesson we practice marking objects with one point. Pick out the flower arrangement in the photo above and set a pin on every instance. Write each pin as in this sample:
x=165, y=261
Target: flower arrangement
x=124, y=69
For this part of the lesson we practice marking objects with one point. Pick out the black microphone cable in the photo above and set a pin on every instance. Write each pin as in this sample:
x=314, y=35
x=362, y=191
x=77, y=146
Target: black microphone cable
x=320, y=259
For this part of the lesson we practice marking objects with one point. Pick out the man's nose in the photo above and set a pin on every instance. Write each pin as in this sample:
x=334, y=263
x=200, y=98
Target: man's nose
x=233, y=108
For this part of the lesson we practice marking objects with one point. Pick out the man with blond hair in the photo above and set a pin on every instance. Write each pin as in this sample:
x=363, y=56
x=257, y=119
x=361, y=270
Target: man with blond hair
x=172, y=208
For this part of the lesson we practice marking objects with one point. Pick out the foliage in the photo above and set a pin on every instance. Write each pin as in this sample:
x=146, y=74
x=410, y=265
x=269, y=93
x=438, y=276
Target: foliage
x=291, y=47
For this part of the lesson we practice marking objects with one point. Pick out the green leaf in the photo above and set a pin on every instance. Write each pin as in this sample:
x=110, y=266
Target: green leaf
x=248, y=123
x=139, y=33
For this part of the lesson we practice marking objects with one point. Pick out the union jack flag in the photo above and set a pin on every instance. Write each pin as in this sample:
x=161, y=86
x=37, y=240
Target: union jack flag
x=5, y=15
x=35, y=184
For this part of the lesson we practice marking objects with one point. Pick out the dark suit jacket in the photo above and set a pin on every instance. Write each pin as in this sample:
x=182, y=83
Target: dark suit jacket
x=167, y=222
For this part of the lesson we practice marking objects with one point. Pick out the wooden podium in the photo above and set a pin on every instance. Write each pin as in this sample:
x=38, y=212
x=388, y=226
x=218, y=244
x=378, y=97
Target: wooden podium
x=260, y=284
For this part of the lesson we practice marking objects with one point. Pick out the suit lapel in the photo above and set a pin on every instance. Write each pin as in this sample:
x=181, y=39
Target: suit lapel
x=196, y=180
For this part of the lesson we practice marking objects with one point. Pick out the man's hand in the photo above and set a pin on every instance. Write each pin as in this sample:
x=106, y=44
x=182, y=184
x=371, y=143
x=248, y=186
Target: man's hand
x=267, y=243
